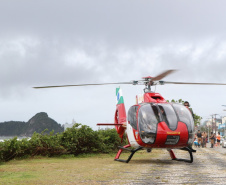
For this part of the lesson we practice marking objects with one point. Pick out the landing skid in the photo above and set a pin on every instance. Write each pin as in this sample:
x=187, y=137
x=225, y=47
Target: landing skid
x=133, y=151
x=121, y=148
x=189, y=149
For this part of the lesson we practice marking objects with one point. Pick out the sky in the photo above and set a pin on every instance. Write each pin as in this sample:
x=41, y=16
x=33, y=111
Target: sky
x=55, y=42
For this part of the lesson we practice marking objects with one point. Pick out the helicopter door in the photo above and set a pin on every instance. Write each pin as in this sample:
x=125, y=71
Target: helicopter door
x=132, y=116
x=148, y=118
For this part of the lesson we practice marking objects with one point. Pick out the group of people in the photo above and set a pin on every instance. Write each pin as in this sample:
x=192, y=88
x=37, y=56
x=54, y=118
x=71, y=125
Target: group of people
x=214, y=138
x=201, y=139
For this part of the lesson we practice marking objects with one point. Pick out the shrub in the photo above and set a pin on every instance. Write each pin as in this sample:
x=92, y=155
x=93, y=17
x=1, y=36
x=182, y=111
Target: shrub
x=80, y=139
x=46, y=144
x=109, y=140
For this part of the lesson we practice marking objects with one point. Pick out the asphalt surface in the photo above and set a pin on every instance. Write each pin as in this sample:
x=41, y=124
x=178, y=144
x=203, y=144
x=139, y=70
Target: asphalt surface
x=208, y=167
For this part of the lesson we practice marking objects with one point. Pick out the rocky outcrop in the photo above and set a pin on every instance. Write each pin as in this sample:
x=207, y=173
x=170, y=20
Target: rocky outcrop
x=37, y=123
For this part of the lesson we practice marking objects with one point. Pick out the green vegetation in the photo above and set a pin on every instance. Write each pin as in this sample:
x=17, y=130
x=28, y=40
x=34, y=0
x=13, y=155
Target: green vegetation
x=80, y=139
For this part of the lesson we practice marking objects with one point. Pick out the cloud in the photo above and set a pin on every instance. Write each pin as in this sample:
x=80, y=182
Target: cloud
x=74, y=42
x=125, y=22
x=29, y=61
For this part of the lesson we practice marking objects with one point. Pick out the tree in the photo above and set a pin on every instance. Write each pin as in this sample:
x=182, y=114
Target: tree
x=176, y=101
x=197, y=120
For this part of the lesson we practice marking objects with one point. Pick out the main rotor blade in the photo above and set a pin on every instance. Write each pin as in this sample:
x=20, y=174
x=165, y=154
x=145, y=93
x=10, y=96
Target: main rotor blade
x=162, y=75
x=82, y=85
x=190, y=83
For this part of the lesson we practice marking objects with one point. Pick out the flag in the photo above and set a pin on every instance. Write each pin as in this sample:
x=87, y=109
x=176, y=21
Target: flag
x=119, y=97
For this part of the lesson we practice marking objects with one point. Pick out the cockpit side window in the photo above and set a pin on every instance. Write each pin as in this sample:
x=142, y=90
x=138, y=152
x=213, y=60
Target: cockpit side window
x=132, y=116
x=168, y=115
x=184, y=116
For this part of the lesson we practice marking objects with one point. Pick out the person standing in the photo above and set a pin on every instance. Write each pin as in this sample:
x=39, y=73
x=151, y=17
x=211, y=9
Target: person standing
x=218, y=139
x=204, y=139
x=199, y=136
x=215, y=139
x=212, y=139
x=186, y=104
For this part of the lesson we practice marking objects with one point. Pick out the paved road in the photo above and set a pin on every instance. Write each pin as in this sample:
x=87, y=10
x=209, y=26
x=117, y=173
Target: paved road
x=209, y=167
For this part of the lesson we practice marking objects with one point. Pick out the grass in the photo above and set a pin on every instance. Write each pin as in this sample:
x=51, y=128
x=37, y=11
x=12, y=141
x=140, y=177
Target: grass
x=85, y=169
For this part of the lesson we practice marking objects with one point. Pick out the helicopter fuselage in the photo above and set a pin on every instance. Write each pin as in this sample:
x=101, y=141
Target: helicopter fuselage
x=155, y=123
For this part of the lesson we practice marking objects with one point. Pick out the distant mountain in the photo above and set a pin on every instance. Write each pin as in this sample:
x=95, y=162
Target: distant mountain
x=37, y=123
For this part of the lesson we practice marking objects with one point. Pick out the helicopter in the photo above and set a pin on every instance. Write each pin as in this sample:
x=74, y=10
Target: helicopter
x=152, y=122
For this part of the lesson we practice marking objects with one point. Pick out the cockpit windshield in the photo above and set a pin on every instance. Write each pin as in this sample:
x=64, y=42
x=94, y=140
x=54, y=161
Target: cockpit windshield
x=149, y=115
x=148, y=118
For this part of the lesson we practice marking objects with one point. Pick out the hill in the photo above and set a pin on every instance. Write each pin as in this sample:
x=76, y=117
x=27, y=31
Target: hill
x=37, y=123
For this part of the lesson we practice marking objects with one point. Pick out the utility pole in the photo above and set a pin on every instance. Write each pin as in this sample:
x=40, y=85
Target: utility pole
x=215, y=123
x=212, y=121
x=208, y=127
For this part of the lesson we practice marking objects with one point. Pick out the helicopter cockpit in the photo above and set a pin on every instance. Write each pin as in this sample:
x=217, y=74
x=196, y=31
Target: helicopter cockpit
x=150, y=114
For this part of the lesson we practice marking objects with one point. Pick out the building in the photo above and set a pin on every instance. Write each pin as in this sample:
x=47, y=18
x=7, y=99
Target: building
x=222, y=127
x=213, y=123
x=69, y=125
x=216, y=125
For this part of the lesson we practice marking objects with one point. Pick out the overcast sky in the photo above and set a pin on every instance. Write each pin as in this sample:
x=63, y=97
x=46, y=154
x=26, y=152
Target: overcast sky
x=55, y=42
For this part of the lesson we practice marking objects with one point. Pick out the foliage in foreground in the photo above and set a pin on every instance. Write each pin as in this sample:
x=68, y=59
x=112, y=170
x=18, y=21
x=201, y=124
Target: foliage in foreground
x=80, y=139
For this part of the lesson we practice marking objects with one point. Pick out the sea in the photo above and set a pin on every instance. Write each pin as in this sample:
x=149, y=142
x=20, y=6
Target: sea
x=2, y=138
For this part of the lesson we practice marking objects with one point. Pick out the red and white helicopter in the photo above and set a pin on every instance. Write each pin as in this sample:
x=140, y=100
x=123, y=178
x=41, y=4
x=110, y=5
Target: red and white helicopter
x=152, y=122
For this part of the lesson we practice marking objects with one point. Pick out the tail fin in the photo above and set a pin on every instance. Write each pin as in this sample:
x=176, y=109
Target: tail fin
x=120, y=113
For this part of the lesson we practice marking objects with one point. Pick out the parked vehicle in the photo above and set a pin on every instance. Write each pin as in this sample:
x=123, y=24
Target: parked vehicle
x=223, y=143
x=222, y=140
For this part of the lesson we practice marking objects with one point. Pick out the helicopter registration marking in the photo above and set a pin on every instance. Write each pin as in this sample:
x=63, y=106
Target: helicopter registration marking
x=172, y=133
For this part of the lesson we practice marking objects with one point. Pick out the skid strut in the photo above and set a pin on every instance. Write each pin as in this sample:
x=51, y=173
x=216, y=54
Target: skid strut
x=121, y=148
x=189, y=149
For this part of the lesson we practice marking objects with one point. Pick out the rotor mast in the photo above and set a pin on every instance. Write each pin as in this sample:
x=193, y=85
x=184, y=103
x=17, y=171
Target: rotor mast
x=148, y=83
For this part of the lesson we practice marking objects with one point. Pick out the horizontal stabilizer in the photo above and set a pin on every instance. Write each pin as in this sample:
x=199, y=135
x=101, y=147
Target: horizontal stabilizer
x=109, y=124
